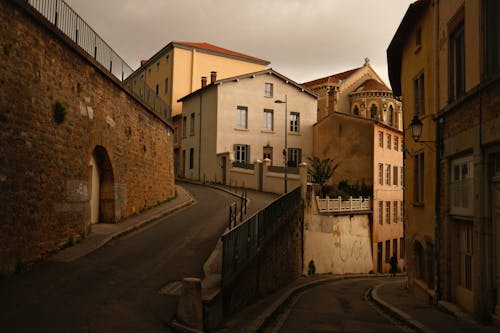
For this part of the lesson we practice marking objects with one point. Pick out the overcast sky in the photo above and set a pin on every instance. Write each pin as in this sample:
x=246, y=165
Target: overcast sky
x=303, y=39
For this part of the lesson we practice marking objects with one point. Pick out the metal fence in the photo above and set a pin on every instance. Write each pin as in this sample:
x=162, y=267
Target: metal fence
x=72, y=25
x=242, y=242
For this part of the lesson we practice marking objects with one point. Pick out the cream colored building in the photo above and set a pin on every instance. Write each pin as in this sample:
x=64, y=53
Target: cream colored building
x=175, y=70
x=360, y=127
x=444, y=61
x=233, y=123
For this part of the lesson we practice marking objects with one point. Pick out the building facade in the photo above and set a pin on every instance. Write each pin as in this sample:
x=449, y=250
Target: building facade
x=360, y=128
x=235, y=122
x=454, y=97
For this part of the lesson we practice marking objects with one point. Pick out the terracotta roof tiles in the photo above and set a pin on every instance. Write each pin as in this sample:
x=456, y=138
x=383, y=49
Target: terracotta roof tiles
x=335, y=78
x=372, y=85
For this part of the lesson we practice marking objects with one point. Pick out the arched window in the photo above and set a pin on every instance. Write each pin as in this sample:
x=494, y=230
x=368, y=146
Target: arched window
x=390, y=119
x=356, y=110
x=373, y=111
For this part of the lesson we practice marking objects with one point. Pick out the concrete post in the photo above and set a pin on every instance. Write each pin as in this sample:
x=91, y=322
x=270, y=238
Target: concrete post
x=190, y=308
x=303, y=179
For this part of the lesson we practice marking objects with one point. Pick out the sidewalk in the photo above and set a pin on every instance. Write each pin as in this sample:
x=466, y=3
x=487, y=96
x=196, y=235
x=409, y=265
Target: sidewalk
x=422, y=316
x=103, y=233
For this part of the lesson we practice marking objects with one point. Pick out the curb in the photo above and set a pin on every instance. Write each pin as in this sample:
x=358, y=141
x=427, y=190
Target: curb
x=400, y=315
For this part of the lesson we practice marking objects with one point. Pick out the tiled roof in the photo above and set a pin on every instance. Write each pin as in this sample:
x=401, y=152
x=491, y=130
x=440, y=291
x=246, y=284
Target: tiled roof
x=335, y=78
x=372, y=85
x=217, y=49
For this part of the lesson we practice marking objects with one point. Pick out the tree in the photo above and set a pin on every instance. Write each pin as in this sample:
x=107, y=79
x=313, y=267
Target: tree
x=321, y=170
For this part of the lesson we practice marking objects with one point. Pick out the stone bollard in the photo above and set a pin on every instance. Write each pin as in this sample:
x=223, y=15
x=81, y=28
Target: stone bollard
x=190, y=308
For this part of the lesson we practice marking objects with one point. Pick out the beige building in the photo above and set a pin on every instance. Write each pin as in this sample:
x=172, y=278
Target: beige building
x=444, y=60
x=360, y=128
x=233, y=123
x=175, y=70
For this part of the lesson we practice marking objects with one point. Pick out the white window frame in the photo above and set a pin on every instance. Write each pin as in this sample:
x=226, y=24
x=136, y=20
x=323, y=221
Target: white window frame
x=381, y=212
x=268, y=120
x=241, y=153
x=294, y=122
x=461, y=187
x=294, y=154
x=388, y=212
x=268, y=89
x=381, y=174
x=387, y=174
x=381, y=139
x=242, y=117
x=389, y=140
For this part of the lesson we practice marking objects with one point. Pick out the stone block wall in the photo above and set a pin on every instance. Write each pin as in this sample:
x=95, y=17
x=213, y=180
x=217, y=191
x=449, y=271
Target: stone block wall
x=58, y=109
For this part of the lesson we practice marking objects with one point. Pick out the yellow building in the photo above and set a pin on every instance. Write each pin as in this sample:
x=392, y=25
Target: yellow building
x=175, y=70
x=359, y=126
x=444, y=61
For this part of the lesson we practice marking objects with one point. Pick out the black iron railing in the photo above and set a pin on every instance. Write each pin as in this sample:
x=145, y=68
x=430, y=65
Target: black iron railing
x=241, y=243
x=72, y=25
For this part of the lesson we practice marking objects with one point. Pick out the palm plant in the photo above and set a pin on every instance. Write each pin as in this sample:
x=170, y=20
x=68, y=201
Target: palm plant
x=321, y=170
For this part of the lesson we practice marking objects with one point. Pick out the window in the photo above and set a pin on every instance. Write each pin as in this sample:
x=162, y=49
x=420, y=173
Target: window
x=395, y=247
x=461, y=186
x=380, y=212
x=294, y=157
x=387, y=251
x=387, y=174
x=402, y=247
x=395, y=210
x=191, y=158
x=396, y=143
x=241, y=153
x=389, y=142
x=268, y=89
x=157, y=90
x=492, y=37
x=418, y=165
x=380, y=174
x=381, y=139
x=395, y=175
x=267, y=152
x=166, y=85
x=184, y=126
x=419, y=95
x=457, y=62
x=268, y=120
x=191, y=125
x=466, y=252
x=401, y=210
x=356, y=110
x=373, y=111
x=390, y=121
x=388, y=212
x=241, y=116
x=294, y=122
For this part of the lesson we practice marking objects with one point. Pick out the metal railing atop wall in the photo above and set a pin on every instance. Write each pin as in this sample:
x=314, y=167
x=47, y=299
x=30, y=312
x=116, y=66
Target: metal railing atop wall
x=72, y=25
x=241, y=243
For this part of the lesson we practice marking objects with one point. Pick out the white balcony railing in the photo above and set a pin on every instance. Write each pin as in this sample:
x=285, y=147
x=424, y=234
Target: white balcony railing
x=337, y=205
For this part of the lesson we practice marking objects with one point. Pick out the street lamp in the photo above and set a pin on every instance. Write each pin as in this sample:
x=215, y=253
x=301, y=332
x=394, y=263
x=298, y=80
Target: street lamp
x=416, y=130
x=285, y=151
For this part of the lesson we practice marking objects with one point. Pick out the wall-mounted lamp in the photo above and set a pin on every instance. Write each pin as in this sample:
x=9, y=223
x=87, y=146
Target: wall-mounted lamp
x=416, y=130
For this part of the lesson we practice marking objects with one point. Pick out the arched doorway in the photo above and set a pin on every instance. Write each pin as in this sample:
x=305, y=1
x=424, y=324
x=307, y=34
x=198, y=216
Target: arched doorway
x=102, y=187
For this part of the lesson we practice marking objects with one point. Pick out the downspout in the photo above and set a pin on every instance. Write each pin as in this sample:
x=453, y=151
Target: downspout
x=437, y=199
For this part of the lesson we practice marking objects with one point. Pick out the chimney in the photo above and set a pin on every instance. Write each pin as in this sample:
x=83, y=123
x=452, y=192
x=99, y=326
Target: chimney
x=213, y=77
x=143, y=62
x=203, y=81
x=333, y=94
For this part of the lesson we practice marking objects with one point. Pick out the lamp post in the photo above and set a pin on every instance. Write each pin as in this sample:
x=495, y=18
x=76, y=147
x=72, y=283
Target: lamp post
x=285, y=151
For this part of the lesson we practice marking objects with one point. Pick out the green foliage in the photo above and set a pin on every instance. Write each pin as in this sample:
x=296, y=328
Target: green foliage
x=59, y=113
x=321, y=170
x=346, y=190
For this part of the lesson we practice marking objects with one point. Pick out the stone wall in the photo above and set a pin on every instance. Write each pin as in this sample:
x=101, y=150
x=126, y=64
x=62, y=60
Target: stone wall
x=59, y=110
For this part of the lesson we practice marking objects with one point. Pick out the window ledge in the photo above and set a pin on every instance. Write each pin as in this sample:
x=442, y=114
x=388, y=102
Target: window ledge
x=241, y=129
x=267, y=131
x=418, y=204
x=294, y=133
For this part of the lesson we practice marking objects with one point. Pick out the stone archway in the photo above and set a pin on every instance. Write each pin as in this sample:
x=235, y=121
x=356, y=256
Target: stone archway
x=102, y=187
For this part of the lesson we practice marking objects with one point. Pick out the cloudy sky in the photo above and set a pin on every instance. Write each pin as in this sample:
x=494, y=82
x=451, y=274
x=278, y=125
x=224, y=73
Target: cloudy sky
x=303, y=39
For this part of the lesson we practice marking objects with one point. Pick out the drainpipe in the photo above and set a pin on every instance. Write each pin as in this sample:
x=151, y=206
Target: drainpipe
x=437, y=199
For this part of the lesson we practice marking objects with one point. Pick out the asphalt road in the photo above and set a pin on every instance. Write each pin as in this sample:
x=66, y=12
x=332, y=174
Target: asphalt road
x=115, y=288
x=338, y=306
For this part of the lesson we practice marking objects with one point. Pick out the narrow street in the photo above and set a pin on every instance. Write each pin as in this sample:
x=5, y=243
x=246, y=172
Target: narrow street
x=115, y=288
x=345, y=309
